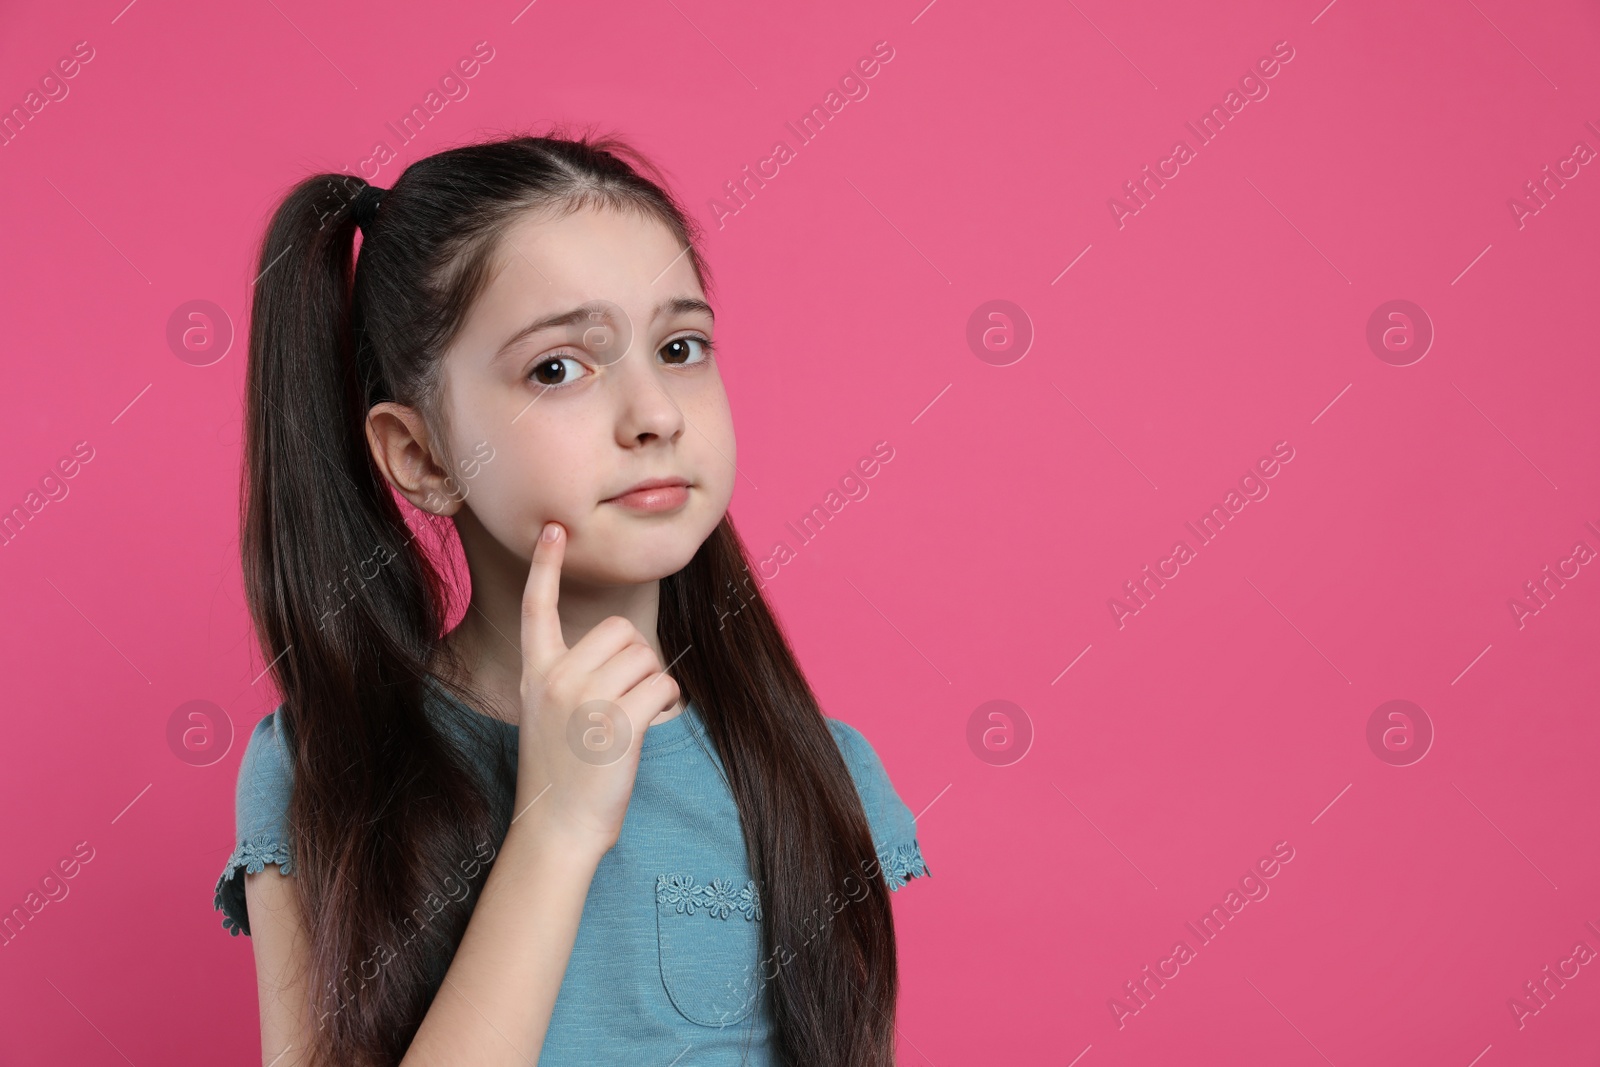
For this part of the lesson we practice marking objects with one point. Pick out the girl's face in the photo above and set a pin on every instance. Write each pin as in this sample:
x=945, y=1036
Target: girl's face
x=584, y=369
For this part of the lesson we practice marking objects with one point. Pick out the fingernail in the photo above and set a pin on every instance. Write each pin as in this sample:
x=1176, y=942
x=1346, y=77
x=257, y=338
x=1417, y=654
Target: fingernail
x=551, y=531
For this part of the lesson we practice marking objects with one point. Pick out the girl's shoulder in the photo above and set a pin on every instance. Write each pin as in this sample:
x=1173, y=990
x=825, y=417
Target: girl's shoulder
x=894, y=829
x=261, y=810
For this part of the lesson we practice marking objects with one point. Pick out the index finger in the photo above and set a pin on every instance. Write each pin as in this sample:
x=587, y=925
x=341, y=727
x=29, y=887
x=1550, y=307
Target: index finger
x=541, y=624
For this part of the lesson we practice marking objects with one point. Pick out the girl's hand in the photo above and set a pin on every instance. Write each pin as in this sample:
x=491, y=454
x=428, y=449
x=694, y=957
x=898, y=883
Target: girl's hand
x=584, y=709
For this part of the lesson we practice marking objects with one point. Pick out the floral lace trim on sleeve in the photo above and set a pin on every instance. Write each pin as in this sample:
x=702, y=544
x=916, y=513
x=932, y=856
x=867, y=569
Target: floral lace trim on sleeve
x=902, y=862
x=253, y=859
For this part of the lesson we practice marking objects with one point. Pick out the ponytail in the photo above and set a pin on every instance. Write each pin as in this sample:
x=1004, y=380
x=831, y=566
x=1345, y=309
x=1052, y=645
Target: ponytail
x=347, y=609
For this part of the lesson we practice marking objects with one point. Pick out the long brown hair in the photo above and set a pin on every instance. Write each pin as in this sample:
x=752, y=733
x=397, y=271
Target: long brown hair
x=387, y=810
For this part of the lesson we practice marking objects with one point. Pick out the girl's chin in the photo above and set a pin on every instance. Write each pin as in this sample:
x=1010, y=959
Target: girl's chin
x=627, y=559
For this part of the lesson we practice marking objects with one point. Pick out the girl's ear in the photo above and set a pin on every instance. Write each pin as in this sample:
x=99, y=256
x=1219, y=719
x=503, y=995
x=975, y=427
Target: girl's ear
x=400, y=446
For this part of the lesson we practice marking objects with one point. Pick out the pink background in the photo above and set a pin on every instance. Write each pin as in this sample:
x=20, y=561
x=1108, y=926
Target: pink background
x=1229, y=314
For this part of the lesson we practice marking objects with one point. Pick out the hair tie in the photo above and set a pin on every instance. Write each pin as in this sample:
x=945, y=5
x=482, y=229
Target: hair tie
x=365, y=207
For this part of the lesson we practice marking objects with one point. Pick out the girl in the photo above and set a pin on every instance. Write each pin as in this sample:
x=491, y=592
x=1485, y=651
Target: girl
x=602, y=819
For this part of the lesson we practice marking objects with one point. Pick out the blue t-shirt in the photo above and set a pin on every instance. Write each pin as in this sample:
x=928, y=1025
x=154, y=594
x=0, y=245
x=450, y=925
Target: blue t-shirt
x=667, y=956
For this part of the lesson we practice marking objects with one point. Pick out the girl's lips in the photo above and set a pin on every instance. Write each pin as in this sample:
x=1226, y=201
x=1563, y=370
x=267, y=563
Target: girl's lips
x=660, y=498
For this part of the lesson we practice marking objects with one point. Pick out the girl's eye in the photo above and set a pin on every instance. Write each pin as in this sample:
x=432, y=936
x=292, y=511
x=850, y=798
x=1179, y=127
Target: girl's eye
x=679, y=352
x=551, y=374
x=557, y=372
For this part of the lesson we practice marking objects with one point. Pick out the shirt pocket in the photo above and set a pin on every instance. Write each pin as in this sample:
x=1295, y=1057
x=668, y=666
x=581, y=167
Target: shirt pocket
x=709, y=934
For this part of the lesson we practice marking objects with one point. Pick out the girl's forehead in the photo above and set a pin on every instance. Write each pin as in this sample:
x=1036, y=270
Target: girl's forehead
x=586, y=246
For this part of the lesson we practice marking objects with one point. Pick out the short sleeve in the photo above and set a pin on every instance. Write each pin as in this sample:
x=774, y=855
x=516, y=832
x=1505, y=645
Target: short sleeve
x=894, y=830
x=261, y=816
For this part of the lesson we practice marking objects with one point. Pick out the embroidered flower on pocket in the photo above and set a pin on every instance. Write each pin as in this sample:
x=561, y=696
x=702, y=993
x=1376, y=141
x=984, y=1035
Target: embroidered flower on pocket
x=677, y=890
x=720, y=899
x=750, y=901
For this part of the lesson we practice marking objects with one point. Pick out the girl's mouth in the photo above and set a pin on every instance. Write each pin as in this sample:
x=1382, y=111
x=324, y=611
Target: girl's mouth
x=653, y=498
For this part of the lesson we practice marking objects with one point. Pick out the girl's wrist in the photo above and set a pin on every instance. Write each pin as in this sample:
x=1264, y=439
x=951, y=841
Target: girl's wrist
x=546, y=831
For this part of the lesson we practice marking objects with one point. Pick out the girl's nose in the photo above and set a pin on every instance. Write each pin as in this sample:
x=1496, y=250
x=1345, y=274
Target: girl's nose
x=645, y=408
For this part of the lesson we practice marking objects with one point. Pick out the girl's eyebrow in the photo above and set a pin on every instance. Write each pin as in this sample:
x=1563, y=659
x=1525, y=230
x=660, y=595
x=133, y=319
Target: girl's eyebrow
x=676, y=305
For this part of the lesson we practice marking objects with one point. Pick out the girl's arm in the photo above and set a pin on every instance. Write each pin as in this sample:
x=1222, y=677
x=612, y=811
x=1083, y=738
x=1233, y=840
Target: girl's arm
x=279, y=939
x=500, y=990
